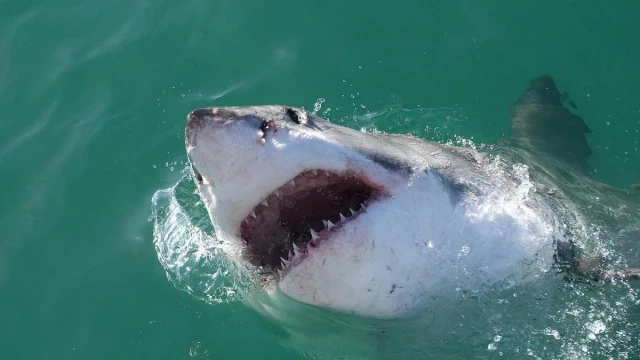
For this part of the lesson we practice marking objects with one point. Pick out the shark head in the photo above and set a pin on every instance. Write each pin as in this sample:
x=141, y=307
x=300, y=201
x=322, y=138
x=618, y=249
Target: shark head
x=342, y=219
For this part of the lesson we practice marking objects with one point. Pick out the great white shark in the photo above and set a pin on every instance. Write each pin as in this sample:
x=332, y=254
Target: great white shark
x=378, y=224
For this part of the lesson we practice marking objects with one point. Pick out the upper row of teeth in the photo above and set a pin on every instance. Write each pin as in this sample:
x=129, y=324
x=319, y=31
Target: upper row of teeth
x=328, y=224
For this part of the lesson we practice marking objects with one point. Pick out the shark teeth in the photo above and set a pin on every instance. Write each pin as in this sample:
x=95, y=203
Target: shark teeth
x=300, y=252
x=271, y=207
x=293, y=258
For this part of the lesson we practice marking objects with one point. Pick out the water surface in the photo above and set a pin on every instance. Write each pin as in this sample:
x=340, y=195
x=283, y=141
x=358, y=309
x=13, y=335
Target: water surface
x=94, y=95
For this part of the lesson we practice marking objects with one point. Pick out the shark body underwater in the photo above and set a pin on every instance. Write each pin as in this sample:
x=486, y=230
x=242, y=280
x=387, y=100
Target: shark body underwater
x=378, y=224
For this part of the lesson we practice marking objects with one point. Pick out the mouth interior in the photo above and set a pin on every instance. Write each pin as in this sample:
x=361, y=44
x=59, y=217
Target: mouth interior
x=315, y=201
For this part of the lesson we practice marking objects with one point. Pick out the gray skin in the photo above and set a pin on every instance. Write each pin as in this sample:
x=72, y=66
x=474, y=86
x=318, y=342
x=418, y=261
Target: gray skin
x=544, y=135
x=541, y=124
x=553, y=139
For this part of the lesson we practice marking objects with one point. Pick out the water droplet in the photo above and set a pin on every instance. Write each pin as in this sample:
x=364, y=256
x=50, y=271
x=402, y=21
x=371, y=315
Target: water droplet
x=552, y=332
x=318, y=105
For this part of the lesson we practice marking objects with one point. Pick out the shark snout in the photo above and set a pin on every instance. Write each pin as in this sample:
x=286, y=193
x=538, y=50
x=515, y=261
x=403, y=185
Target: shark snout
x=195, y=121
x=199, y=118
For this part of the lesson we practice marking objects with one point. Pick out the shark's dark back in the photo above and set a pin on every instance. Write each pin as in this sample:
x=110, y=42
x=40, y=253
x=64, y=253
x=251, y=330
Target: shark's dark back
x=540, y=123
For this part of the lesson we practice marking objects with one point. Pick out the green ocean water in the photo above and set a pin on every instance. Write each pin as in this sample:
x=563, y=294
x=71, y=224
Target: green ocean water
x=93, y=97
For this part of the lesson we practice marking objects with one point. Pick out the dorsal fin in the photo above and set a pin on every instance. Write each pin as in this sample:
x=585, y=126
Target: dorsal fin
x=541, y=124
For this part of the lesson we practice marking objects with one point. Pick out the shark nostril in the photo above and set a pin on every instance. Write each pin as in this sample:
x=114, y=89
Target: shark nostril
x=264, y=126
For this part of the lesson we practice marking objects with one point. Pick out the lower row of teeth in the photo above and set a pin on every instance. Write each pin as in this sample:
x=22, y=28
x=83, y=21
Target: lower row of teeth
x=315, y=239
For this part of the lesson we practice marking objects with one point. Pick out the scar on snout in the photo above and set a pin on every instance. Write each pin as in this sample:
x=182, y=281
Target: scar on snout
x=324, y=261
x=388, y=268
x=394, y=255
x=393, y=288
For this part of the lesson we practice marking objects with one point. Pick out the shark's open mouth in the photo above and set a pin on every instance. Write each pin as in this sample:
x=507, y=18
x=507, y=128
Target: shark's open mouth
x=302, y=213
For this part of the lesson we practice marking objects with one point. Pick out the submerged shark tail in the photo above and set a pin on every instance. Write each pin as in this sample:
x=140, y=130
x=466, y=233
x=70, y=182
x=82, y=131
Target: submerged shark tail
x=621, y=274
x=540, y=123
x=591, y=268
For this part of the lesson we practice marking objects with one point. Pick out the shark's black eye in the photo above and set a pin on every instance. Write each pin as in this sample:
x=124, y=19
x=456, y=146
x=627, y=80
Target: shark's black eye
x=293, y=115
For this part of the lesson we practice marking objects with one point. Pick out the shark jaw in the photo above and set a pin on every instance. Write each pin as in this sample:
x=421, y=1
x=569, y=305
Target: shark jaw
x=356, y=222
x=280, y=231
